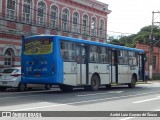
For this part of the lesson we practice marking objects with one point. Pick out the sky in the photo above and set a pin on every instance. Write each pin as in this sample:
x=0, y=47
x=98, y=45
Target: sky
x=129, y=16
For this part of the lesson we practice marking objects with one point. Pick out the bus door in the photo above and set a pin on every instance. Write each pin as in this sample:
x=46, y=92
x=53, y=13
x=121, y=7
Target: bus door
x=81, y=59
x=113, y=66
x=141, y=67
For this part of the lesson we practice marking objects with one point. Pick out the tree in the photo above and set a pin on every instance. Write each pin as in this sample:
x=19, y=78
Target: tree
x=114, y=41
x=143, y=36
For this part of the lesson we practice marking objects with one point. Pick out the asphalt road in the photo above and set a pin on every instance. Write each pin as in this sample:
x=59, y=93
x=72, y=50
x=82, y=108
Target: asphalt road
x=145, y=97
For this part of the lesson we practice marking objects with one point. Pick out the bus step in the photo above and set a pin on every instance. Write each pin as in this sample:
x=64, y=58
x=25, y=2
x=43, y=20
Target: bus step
x=114, y=84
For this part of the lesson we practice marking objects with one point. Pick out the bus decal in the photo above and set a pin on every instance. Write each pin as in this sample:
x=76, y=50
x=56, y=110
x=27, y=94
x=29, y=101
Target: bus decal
x=74, y=67
x=38, y=46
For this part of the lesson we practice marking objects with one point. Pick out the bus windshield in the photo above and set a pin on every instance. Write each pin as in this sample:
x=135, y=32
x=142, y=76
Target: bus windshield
x=38, y=46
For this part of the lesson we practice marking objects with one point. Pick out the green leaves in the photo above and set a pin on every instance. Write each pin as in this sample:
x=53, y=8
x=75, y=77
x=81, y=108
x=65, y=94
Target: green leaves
x=143, y=36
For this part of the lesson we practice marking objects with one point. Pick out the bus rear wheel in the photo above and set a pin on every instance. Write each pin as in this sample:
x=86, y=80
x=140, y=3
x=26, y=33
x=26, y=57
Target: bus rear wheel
x=133, y=82
x=48, y=87
x=95, y=82
x=3, y=88
x=66, y=88
x=21, y=87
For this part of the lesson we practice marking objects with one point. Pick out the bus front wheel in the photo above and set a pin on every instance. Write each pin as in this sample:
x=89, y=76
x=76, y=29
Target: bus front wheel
x=133, y=82
x=66, y=88
x=95, y=82
x=108, y=86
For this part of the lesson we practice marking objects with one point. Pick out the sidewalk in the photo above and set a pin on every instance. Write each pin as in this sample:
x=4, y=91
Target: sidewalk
x=148, y=82
x=153, y=81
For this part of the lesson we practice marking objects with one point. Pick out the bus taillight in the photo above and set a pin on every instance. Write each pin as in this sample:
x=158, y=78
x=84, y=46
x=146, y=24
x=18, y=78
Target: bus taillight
x=37, y=75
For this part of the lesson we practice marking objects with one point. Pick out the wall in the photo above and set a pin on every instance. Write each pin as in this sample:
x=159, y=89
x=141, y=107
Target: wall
x=11, y=30
x=156, y=52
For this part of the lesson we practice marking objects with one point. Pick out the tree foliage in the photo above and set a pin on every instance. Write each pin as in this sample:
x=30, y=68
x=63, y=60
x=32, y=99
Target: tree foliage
x=143, y=36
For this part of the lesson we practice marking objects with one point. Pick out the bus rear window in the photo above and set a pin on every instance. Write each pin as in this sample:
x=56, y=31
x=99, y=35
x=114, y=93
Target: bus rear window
x=38, y=46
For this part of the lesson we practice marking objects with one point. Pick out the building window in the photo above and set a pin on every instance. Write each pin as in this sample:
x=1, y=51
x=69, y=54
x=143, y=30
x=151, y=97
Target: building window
x=65, y=20
x=93, y=27
x=154, y=61
x=75, y=24
x=1, y=7
x=54, y=17
x=101, y=28
x=41, y=13
x=27, y=11
x=85, y=25
x=11, y=9
x=8, y=60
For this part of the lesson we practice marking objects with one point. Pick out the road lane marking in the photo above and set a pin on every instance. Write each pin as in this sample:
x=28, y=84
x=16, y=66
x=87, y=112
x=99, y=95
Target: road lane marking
x=147, y=100
x=17, y=97
x=38, y=91
x=127, y=118
x=115, y=91
x=157, y=110
x=80, y=102
x=83, y=95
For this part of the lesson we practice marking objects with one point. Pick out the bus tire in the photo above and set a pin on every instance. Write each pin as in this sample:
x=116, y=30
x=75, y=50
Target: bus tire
x=48, y=87
x=108, y=86
x=133, y=82
x=3, y=88
x=95, y=82
x=66, y=88
x=21, y=87
x=87, y=88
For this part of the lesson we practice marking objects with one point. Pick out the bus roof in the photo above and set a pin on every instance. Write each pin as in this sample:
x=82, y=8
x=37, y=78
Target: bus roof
x=89, y=42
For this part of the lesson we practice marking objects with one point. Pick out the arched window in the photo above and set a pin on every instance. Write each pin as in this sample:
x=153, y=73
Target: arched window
x=93, y=26
x=75, y=24
x=65, y=20
x=1, y=7
x=11, y=9
x=85, y=25
x=54, y=17
x=27, y=11
x=41, y=14
x=9, y=54
x=101, y=28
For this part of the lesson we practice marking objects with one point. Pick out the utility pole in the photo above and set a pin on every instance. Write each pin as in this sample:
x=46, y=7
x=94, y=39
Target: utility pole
x=152, y=46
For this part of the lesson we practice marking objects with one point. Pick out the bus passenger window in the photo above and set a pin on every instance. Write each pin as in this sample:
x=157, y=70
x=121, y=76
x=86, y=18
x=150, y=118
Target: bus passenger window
x=103, y=55
x=64, y=55
x=123, y=57
x=78, y=58
x=94, y=54
x=68, y=51
x=132, y=58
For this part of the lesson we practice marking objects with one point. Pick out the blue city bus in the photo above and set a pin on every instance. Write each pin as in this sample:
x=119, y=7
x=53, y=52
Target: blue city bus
x=73, y=62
